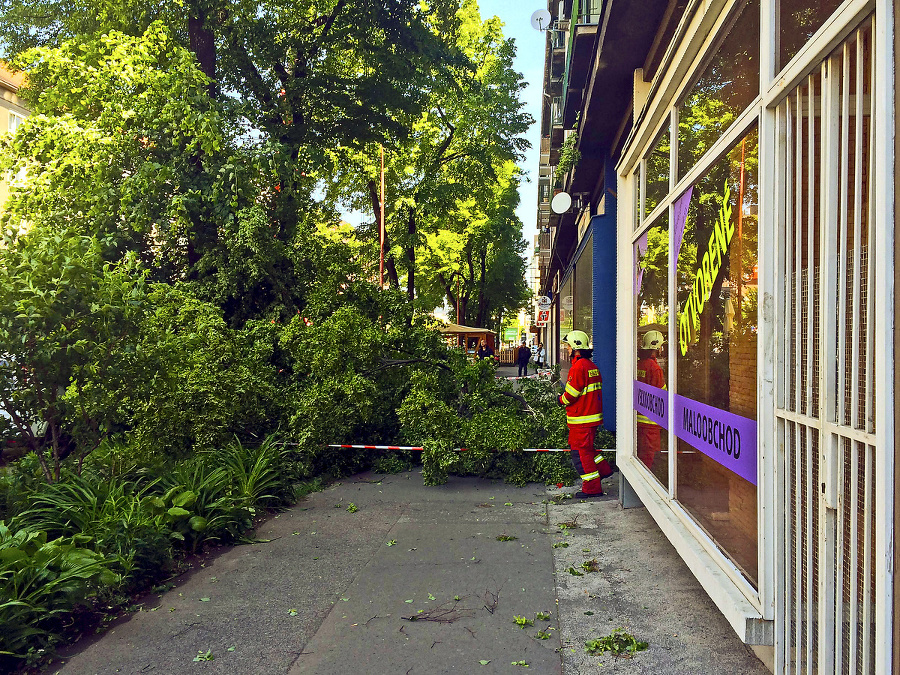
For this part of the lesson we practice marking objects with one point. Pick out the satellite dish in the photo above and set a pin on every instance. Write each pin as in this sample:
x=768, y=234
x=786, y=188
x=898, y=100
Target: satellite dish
x=561, y=202
x=540, y=20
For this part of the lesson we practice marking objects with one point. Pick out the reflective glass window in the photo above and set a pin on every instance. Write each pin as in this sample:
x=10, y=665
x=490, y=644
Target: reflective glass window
x=798, y=21
x=716, y=284
x=566, y=321
x=727, y=86
x=651, y=255
x=657, y=176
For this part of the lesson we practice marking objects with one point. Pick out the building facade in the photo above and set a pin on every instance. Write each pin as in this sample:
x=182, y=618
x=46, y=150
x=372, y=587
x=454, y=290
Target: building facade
x=12, y=112
x=743, y=173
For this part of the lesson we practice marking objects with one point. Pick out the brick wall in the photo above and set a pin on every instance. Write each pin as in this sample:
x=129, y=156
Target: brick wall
x=742, y=394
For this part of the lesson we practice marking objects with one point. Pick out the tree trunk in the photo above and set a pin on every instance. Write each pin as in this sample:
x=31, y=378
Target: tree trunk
x=389, y=264
x=411, y=255
x=482, y=300
x=203, y=44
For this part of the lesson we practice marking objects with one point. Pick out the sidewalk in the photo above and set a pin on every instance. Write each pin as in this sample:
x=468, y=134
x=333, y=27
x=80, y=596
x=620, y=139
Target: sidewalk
x=332, y=592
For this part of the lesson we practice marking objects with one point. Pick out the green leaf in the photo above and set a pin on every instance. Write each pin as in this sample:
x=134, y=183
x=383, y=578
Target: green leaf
x=178, y=512
x=198, y=523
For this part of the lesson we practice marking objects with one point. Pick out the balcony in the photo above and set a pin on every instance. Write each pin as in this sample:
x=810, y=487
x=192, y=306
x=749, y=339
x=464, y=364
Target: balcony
x=579, y=59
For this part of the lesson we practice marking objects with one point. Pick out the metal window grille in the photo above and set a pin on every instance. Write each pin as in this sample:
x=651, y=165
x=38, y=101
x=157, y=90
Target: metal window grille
x=825, y=335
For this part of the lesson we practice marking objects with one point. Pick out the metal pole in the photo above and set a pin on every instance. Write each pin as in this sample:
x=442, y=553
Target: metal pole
x=457, y=301
x=381, y=228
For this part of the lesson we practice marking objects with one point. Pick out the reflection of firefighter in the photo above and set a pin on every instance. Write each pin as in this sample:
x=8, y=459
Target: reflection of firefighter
x=649, y=372
x=584, y=413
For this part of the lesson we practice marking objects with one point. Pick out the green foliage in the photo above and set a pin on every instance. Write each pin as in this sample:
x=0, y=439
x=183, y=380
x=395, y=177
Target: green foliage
x=467, y=407
x=393, y=463
x=68, y=323
x=523, y=622
x=111, y=518
x=569, y=155
x=176, y=403
x=618, y=642
x=40, y=582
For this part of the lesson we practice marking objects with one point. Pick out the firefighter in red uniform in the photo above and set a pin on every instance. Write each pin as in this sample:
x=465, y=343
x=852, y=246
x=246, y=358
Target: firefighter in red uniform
x=649, y=372
x=584, y=413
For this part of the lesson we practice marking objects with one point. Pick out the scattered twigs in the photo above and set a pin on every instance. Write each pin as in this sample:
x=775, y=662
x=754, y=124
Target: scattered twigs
x=491, y=600
x=447, y=612
x=569, y=524
x=521, y=400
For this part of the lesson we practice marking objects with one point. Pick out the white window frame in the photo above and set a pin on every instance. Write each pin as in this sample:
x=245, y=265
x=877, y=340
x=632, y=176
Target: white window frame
x=18, y=117
x=694, y=38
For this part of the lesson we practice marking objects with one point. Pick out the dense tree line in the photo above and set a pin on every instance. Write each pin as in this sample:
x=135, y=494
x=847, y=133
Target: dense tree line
x=179, y=296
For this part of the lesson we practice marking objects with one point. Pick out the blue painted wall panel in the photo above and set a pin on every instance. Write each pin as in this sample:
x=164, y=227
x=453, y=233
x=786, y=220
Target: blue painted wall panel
x=604, y=321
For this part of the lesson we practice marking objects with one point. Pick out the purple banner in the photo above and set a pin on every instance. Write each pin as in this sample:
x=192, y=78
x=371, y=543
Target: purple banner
x=639, y=249
x=652, y=402
x=680, y=214
x=722, y=436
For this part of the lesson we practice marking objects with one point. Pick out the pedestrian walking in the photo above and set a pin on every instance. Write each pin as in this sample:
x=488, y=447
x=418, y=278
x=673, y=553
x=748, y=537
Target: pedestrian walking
x=523, y=356
x=583, y=399
x=542, y=356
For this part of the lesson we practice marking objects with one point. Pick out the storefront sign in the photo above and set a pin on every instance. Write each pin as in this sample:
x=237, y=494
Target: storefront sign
x=722, y=436
x=652, y=402
x=707, y=272
x=544, y=302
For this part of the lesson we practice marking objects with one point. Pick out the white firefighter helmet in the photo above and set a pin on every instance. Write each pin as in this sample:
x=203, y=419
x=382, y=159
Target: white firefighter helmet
x=652, y=339
x=578, y=339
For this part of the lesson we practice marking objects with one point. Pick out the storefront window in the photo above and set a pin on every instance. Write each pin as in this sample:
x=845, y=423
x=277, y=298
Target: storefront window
x=651, y=255
x=715, y=403
x=728, y=85
x=584, y=292
x=798, y=22
x=657, y=178
x=566, y=320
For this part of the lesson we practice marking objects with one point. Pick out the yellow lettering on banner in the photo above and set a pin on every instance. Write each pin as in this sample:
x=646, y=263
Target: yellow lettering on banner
x=699, y=299
x=707, y=272
x=684, y=332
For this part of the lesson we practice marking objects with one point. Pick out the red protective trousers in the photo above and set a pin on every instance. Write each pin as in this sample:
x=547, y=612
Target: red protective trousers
x=648, y=443
x=584, y=458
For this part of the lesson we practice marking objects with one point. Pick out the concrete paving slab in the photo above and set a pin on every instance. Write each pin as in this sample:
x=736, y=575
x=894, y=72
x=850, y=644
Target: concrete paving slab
x=642, y=586
x=326, y=595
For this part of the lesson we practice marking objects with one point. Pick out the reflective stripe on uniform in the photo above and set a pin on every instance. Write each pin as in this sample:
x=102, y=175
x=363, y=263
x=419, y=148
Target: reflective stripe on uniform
x=590, y=476
x=598, y=457
x=585, y=419
x=572, y=390
x=643, y=419
x=564, y=400
x=595, y=386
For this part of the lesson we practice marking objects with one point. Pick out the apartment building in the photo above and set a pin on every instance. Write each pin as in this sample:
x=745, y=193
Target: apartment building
x=12, y=111
x=731, y=168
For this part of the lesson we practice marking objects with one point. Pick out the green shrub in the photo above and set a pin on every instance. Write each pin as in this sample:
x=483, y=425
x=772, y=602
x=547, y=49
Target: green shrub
x=257, y=475
x=41, y=581
x=111, y=516
x=394, y=463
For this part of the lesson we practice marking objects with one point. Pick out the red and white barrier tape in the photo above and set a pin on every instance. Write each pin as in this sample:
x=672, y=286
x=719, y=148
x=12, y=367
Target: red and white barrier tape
x=379, y=447
x=420, y=449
